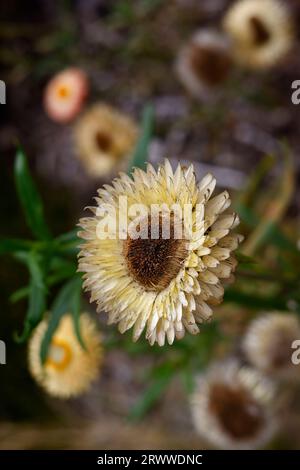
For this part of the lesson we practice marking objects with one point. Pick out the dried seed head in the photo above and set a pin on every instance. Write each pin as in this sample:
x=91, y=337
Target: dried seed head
x=155, y=261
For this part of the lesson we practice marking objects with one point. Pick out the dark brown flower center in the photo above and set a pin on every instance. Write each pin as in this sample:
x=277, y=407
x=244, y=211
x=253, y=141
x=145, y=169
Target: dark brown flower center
x=210, y=64
x=155, y=261
x=103, y=141
x=261, y=34
x=238, y=413
x=280, y=350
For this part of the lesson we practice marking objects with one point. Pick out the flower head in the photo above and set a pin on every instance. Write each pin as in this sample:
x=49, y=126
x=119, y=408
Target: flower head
x=65, y=94
x=69, y=369
x=204, y=63
x=233, y=407
x=268, y=344
x=261, y=31
x=165, y=268
x=105, y=139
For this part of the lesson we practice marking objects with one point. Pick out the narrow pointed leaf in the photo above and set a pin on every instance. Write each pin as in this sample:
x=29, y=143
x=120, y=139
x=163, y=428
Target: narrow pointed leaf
x=13, y=245
x=37, y=296
x=140, y=155
x=29, y=198
x=161, y=379
x=66, y=302
x=75, y=309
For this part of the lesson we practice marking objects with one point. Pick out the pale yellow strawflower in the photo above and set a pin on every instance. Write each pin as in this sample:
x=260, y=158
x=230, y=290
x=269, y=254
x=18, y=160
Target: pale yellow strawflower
x=69, y=370
x=233, y=407
x=268, y=344
x=105, y=140
x=164, y=285
x=261, y=31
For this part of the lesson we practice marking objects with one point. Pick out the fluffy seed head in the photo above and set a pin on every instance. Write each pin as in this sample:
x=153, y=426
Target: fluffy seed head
x=153, y=263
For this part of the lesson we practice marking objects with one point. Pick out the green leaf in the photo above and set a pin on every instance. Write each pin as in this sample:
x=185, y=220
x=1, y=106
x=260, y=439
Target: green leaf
x=67, y=300
x=245, y=260
x=68, y=243
x=75, y=309
x=246, y=215
x=188, y=379
x=273, y=235
x=275, y=208
x=37, y=295
x=68, y=237
x=19, y=294
x=261, y=170
x=30, y=198
x=161, y=379
x=62, y=270
x=13, y=245
x=61, y=275
x=254, y=302
x=140, y=155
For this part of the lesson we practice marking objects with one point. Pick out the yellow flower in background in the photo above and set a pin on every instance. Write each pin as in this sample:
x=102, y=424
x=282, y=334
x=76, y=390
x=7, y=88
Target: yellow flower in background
x=65, y=94
x=69, y=369
x=233, y=407
x=104, y=139
x=204, y=63
x=166, y=285
x=261, y=31
x=268, y=344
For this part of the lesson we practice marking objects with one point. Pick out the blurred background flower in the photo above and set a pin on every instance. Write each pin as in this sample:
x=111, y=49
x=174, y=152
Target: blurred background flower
x=205, y=63
x=65, y=94
x=261, y=31
x=104, y=139
x=268, y=343
x=69, y=367
x=233, y=407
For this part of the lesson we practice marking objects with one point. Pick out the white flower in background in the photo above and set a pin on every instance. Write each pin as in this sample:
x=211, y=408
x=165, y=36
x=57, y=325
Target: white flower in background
x=261, y=31
x=268, y=344
x=166, y=285
x=204, y=63
x=233, y=407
